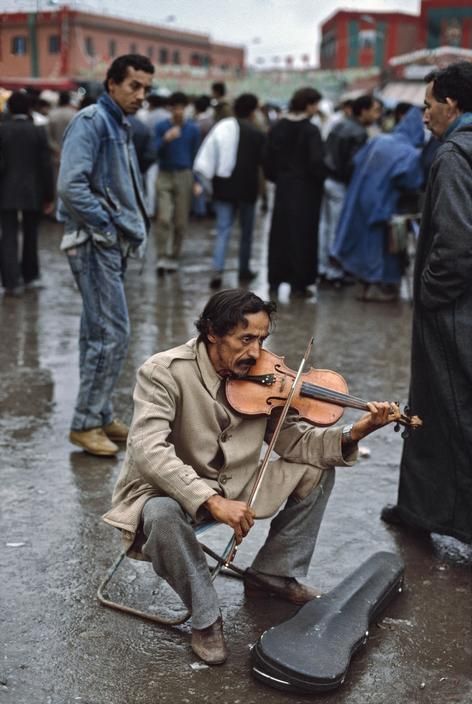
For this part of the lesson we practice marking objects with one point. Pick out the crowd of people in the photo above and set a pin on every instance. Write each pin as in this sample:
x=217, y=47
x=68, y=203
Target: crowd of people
x=190, y=455
x=210, y=157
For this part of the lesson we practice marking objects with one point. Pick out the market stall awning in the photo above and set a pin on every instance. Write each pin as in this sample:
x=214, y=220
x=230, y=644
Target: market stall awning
x=404, y=92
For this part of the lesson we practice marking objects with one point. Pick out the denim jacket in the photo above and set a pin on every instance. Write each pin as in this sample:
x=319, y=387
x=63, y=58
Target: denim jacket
x=99, y=183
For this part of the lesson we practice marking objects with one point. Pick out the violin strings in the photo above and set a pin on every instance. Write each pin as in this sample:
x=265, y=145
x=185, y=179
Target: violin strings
x=327, y=394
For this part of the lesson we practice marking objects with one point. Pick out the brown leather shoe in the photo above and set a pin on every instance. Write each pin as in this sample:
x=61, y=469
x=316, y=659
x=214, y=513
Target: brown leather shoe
x=94, y=441
x=259, y=585
x=116, y=431
x=209, y=643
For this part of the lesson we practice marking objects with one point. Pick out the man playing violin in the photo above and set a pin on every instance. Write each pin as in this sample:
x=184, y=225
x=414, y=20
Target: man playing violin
x=191, y=457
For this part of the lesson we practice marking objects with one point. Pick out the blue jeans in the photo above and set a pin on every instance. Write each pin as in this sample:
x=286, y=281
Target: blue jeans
x=334, y=195
x=104, y=329
x=225, y=215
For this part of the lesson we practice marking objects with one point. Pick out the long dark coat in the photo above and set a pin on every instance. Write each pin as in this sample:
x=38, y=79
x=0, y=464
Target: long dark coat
x=435, y=490
x=294, y=162
x=26, y=173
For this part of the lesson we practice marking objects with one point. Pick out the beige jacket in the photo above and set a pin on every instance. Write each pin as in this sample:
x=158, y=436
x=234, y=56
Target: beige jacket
x=186, y=442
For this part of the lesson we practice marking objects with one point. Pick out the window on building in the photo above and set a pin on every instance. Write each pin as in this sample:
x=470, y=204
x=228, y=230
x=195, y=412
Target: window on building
x=150, y=52
x=133, y=48
x=112, y=48
x=163, y=56
x=176, y=58
x=195, y=60
x=89, y=46
x=328, y=46
x=367, y=38
x=205, y=61
x=54, y=44
x=19, y=45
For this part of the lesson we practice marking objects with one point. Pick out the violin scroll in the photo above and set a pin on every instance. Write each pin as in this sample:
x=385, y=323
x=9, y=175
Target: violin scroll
x=403, y=418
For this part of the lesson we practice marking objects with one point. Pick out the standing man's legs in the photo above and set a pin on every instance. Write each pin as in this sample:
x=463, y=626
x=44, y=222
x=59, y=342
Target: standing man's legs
x=30, y=258
x=225, y=214
x=165, y=219
x=104, y=334
x=247, y=213
x=323, y=235
x=183, y=183
x=151, y=190
x=331, y=208
x=10, y=268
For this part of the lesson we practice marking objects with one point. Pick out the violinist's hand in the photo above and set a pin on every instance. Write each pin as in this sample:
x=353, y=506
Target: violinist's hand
x=235, y=514
x=381, y=413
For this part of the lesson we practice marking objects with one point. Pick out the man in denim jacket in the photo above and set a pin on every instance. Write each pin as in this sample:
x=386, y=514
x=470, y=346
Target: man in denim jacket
x=102, y=207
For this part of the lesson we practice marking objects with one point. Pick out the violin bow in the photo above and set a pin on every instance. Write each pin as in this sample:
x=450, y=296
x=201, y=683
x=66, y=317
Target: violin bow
x=232, y=546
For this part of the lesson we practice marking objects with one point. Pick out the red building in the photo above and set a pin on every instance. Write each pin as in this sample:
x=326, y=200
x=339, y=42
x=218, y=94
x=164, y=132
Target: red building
x=445, y=23
x=357, y=39
x=67, y=45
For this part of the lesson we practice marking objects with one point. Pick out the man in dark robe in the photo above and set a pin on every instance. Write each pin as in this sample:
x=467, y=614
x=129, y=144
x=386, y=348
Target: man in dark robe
x=435, y=493
x=294, y=162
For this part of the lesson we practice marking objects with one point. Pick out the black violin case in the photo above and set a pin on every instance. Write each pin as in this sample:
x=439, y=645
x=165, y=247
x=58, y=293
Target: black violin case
x=311, y=651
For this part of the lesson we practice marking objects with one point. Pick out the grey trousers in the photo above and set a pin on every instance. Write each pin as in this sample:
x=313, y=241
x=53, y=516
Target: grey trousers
x=176, y=556
x=174, y=197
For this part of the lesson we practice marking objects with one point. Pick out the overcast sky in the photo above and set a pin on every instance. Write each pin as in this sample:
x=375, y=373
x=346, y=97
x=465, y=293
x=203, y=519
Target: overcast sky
x=267, y=28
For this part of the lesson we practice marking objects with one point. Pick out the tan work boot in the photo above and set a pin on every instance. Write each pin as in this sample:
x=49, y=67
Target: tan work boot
x=378, y=294
x=116, y=431
x=94, y=441
x=209, y=643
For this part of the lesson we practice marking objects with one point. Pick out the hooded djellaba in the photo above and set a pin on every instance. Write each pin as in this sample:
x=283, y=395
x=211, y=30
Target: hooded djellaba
x=385, y=168
x=435, y=489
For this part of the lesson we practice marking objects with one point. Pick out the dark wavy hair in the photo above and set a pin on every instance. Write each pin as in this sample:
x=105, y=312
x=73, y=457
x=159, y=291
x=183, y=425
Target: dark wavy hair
x=229, y=308
x=363, y=102
x=119, y=68
x=455, y=82
x=19, y=103
x=304, y=97
x=245, y=104
x=178, y=98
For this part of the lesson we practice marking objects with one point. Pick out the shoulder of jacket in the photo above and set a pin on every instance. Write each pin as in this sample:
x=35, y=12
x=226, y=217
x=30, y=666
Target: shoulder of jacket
x=187, y=351
x=92, y=114
x=193, y=127
x=449, y=148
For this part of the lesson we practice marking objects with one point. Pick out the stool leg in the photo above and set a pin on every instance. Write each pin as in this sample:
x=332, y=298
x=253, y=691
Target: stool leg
x=118, y=606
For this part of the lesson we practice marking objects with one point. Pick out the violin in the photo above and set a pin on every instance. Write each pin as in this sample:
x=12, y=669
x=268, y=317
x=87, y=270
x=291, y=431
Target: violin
x=320, y=395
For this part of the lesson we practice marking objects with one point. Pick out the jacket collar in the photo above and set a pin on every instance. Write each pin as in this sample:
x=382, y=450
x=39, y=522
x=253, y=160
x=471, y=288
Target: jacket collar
x=463, y=120
x=113, y=109
x=210, y=378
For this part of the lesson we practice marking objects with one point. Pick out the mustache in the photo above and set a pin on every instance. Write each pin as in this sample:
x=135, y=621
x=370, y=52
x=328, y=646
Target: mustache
x=247, y=362
x=243, y=362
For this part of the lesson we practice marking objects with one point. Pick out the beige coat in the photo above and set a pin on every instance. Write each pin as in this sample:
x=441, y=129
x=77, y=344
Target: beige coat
x=186, y=442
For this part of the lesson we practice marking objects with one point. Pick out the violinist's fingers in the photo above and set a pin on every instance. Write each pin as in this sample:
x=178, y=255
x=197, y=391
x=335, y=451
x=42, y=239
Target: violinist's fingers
x=380, y=412
x=245, y=526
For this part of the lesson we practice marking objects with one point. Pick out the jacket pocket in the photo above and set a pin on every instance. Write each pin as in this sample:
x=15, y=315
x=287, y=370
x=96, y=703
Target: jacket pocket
x=104, y=239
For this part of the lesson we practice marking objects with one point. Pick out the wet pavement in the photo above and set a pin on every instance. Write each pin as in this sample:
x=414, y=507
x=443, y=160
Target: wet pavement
x=59, y=645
